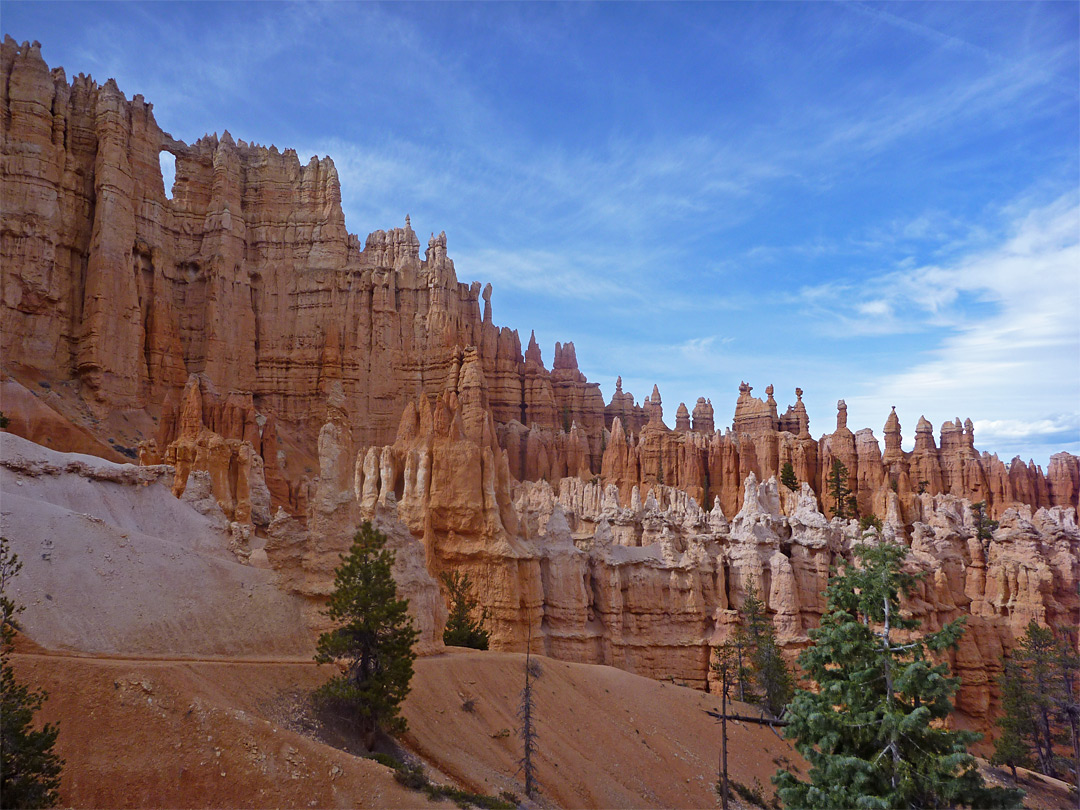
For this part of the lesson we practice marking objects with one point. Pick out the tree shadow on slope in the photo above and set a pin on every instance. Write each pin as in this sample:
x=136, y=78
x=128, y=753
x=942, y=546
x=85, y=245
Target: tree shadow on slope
x=296, y=711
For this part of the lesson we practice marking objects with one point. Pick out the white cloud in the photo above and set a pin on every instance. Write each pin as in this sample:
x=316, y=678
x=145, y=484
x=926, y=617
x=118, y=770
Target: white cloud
x=1019, y=429
x=1010, y=369
x=547, y=273
x=876, y=308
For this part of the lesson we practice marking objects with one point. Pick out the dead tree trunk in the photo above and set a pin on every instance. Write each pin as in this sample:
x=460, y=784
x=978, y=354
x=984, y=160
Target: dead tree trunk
x=528, y=731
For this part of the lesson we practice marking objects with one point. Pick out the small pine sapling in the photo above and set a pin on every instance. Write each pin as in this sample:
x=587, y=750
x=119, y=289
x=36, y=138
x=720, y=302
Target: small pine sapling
x=465, y=621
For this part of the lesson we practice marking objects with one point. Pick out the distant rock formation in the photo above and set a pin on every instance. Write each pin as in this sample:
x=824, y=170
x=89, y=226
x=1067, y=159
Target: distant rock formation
x=709, y=464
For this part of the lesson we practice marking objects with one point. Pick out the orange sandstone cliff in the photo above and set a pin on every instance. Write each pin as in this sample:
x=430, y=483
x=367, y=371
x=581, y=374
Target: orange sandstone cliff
x=236, y=332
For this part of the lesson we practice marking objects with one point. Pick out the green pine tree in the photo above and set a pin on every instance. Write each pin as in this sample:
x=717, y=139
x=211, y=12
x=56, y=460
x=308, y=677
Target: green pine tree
x=374, y=639
x=771, y=684
x=1035, y=664
x=29, y=770
x=1040, y=722
x=1068, y=699
x=871, y=521
x=1011, y=748
x=872, y=729
x=844, y=506
x=787, y=476
x=462, y=630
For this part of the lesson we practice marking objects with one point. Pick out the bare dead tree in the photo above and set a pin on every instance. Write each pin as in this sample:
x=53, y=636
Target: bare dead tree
x=724, y=666
x=525, y=715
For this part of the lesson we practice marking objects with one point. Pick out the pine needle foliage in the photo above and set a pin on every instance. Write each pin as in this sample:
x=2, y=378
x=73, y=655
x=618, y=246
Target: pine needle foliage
x=787, y=476
x=872, y=729
x=765, y=679
x=984, y=526
x=374, y=639
x=1011, y=749
x=465, y=622
x=29, y=769
x=1040, y=711
x=844, y=504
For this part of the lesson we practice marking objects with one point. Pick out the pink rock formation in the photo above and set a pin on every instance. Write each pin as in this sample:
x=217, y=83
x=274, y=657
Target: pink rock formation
x=703, y=416
x=449, y=483
x=235, y=468
x=623, y=408
x=715, y=465
x=246, y=276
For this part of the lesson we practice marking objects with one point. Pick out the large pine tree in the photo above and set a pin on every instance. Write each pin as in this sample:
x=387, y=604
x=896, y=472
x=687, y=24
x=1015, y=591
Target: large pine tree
x=374, y=638
x=873, y=729
x=1040, y=712
x=844, y=504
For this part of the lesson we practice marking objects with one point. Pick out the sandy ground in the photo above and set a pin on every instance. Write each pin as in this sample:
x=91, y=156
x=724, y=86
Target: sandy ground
x=165, y=734
x=606, y=738
x=216, y=733
x=204, y=733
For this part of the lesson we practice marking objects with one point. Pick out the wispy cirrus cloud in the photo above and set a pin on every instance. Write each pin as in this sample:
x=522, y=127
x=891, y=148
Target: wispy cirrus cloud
x=1020, y=348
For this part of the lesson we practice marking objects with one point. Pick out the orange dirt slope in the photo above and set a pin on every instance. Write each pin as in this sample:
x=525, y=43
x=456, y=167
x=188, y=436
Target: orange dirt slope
x=215, y=733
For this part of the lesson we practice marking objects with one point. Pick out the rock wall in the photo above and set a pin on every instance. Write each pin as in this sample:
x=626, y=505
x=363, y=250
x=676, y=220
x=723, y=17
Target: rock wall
x=652, y=583
x=305, y=553
x=665, y=578
x=246, y=276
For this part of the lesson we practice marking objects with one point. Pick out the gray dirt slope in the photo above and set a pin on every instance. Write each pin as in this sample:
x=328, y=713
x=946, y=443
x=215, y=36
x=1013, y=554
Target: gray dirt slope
x=113, y=563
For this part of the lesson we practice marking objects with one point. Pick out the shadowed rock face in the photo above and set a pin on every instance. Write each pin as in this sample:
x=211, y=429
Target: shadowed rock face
x=291, y=365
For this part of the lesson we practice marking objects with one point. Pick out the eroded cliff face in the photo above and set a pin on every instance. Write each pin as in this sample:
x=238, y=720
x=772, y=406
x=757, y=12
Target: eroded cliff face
x=246, y=277
x=652, y=584
x=306, y=380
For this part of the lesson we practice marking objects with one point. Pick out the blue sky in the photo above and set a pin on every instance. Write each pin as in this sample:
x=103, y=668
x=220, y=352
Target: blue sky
x=879, y=202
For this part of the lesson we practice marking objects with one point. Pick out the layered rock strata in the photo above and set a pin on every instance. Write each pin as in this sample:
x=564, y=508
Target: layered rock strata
x=245, y=275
